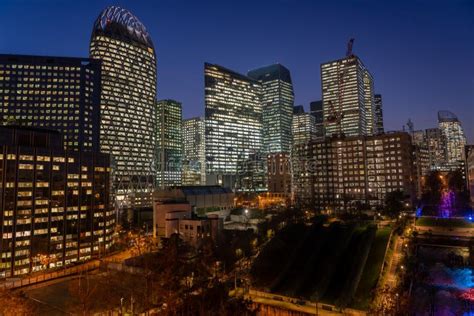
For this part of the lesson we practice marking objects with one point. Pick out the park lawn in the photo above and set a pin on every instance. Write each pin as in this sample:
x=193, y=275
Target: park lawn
x=372, y=268
x=444, y=222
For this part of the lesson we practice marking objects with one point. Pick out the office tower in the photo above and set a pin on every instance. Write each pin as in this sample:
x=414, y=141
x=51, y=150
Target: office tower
x=316, y=109
x=347, y=89
x=233, y=122
x=194, y=155
x=379, y=129
x=353, y=172
x=277, y=100
x=453, y=137
x=54, y=203
x=59, y=93
x=169, y=138
x=128, y=58
x=435, y=145
x=304, y=128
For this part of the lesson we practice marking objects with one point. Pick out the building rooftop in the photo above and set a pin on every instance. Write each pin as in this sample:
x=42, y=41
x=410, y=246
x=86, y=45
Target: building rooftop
x=121, y=23
x=447, y=116
x=271, y=72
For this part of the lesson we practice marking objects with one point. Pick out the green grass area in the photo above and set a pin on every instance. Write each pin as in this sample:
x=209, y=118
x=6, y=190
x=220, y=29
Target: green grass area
x=371, y=271
x=324, y=263
x=444, y=222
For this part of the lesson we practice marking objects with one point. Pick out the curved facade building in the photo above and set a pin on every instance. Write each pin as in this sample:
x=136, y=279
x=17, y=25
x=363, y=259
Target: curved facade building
x=128, y=81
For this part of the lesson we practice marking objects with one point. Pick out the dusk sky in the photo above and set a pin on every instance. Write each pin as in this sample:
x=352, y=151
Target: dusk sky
x=421, y=53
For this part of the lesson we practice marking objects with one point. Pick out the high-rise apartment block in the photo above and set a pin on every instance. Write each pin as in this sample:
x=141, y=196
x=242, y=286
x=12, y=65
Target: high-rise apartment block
x=352, y=173
x=59, y=93
x=348, y=97
x=169, y=143
x=194, y=155
x=277, y=101
x=55, y=203
x=233, y=122
x=128, y=96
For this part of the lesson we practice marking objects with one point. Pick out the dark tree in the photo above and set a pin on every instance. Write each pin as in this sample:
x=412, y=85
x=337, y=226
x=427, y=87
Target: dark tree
x=393, y=203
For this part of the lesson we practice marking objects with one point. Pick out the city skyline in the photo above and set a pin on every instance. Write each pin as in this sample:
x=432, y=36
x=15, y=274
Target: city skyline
x=418, y=51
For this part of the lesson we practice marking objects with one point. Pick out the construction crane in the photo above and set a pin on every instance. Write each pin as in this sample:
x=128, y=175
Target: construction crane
x=335, y=116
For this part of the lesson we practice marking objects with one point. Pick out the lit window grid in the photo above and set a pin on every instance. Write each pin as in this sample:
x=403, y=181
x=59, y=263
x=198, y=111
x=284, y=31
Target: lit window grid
x=67, y=218
x=233, y=119
x=53, y=92
x=127, y=110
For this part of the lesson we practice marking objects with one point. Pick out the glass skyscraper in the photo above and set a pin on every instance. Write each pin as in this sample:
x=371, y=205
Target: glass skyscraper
x=347, y=89
x=59, y=93
x=233, y=122
x=277, y=100
x=128, y=58
x=194, y=157
x=169, y=144
x=453, y=138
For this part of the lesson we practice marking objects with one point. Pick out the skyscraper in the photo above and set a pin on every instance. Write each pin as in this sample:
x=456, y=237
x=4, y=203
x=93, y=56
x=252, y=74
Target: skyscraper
x=277, y=100
x=128, y=58
x=59, y=93
x=453, y=137
x=316, y=109
x=233, y=122
x=379, y=129
x=304, y=127
x=194, y=156
x=434, y=144
x=347, y=89
x=169, y=144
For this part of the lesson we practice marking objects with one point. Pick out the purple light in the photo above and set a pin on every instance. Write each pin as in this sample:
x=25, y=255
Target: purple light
x=447, y=204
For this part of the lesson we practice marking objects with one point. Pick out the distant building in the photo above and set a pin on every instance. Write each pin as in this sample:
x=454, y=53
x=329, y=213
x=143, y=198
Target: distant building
x=379, y=127
x=453, y=137
x=298, y=109
x=251, y=174
x=194, y=156
x=202, y=199
x=316, y=110
x=233, y=122
x=55, y=203
x=347, y=87
x=128, y=80
x=279, y=173
x=58, y=93
x=351, y=173
x=304, y=128
x=436, y=151
x=174, y=215
x=277, y=100
x=169, y=143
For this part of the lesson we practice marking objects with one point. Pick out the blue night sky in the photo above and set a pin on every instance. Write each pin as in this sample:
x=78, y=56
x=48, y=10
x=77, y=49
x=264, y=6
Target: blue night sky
x=421, y=53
